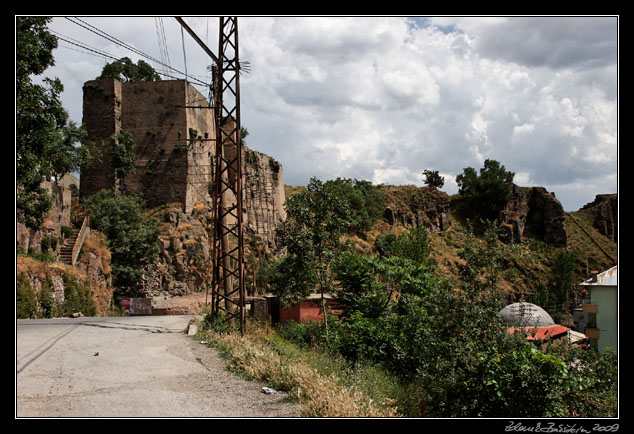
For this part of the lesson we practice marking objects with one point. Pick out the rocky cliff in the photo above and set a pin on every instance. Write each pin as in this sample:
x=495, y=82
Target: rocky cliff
x=533, y=212
x=184, y=263
x=412, y=206
x=603, y=212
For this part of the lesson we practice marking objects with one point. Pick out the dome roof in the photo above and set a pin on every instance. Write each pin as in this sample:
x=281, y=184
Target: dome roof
x=525, y=315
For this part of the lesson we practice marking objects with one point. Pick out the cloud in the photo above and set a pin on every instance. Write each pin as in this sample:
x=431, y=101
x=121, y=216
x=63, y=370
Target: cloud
x=384, y=98
x=555, y=42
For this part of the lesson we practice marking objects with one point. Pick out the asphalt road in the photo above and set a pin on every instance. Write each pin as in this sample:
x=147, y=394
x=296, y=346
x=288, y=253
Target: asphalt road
x=128, y=367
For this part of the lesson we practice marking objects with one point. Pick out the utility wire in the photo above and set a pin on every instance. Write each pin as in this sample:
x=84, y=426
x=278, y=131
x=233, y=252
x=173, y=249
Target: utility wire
x=105, y=35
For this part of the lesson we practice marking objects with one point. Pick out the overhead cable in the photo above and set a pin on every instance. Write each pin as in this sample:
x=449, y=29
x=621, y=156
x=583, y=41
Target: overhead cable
x=105, y=35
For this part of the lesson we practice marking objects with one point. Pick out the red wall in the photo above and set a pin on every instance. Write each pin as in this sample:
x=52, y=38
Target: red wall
x=305, y=312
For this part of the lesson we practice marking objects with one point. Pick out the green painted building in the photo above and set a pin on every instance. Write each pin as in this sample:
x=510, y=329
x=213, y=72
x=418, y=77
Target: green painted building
x=603, y=310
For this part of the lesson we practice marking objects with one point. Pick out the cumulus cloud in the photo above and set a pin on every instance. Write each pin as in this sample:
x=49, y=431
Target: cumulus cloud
x=384, y=98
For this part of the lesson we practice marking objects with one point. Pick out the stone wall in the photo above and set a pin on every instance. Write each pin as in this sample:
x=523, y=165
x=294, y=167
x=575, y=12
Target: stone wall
x=174, y=166
x=169, y=166
x=174, y=151
x=102, y=117
x=263, y=181
x=57, y=217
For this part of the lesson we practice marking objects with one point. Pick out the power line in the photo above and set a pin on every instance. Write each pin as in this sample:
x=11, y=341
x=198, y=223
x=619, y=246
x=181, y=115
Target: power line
x=162, y=41
x=111, y=38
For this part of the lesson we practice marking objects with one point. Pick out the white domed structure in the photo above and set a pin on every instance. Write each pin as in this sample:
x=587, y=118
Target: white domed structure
x=525, y=315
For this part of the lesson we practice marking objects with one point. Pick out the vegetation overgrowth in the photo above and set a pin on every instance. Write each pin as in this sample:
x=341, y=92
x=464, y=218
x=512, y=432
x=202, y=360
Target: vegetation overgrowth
x=435, y=336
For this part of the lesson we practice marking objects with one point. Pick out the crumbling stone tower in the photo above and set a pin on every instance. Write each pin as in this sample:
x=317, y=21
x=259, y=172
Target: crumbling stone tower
x=170, y=166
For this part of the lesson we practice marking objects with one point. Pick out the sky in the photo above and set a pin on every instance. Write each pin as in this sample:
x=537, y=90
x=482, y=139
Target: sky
x=384, y=98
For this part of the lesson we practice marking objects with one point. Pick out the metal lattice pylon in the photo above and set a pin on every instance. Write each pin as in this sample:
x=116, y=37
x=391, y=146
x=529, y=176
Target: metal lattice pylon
x=228, y=287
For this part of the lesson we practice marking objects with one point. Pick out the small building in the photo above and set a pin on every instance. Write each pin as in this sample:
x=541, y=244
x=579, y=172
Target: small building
x=308, y=310
x=602, y=309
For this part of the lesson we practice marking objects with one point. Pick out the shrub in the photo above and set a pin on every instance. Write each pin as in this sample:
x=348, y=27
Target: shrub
x=26, y=299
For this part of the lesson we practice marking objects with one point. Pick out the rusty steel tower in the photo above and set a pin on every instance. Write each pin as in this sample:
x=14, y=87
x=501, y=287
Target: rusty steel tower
x=228, y=293
x=228, y=286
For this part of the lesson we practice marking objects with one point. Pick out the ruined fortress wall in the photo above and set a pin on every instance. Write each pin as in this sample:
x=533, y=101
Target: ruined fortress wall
x=169, y=166
x=101, y=115
x=200, y=123
x=263, y=181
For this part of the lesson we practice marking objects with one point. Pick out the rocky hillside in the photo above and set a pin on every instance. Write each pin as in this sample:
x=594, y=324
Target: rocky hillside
x=52, y=289
x=534, y=225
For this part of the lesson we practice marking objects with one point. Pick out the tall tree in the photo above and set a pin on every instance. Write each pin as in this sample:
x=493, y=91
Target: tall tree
x=316, y=219
x=46, y=142
x=132, y=235
x=487, y=193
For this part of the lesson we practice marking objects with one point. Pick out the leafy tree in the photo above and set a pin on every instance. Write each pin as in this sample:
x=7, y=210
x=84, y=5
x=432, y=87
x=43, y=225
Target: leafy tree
x=120, y=153
x=46, y=143
x=433, y=178
x=26, y=304
x=364, y=199
x=126, y=71
x=413, y=245
x=486, y=194
x=132, y=237
x=480, y=272
x=316, y=219
x=563, y=277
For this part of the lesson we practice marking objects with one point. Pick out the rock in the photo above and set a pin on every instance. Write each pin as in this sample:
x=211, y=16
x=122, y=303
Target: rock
x=411, y=207
x=604, y=214
x=534, y=212
x=388, y=215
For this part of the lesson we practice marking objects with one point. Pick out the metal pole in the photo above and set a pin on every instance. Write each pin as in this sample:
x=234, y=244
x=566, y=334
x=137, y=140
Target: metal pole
x=228, y=285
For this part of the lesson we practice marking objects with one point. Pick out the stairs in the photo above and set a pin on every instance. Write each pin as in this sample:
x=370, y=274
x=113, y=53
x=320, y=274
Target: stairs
x=65, y=254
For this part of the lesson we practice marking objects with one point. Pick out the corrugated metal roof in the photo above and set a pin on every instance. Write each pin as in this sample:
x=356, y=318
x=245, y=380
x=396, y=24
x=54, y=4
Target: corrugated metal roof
x=607, y=278
x=542, y=333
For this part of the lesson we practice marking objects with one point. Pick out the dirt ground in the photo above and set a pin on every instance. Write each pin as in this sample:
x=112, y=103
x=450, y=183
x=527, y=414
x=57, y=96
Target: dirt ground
x=191, y=304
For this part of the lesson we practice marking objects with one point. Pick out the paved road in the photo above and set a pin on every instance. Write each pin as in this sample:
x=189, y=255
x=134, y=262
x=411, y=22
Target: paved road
x=129, y=367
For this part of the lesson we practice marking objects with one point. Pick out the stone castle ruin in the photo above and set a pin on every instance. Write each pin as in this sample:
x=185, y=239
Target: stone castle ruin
x=172, y=131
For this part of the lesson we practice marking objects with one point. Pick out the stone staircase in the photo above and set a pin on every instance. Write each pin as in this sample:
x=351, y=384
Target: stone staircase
x=69, y=251
x=65, y=254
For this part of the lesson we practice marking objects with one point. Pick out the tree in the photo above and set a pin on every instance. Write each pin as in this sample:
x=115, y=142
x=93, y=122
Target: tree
x=46, y=143
x=488, y=193
x=364, y=199
x=126, y=71
x=563, y=277
x=132, y=237
x=433, y=178
x=315, y=221
x=119, y=151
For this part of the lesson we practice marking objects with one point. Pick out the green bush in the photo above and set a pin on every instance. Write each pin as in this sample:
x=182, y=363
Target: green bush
x=307, y=335
x=77, y=297
x=26, y=299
